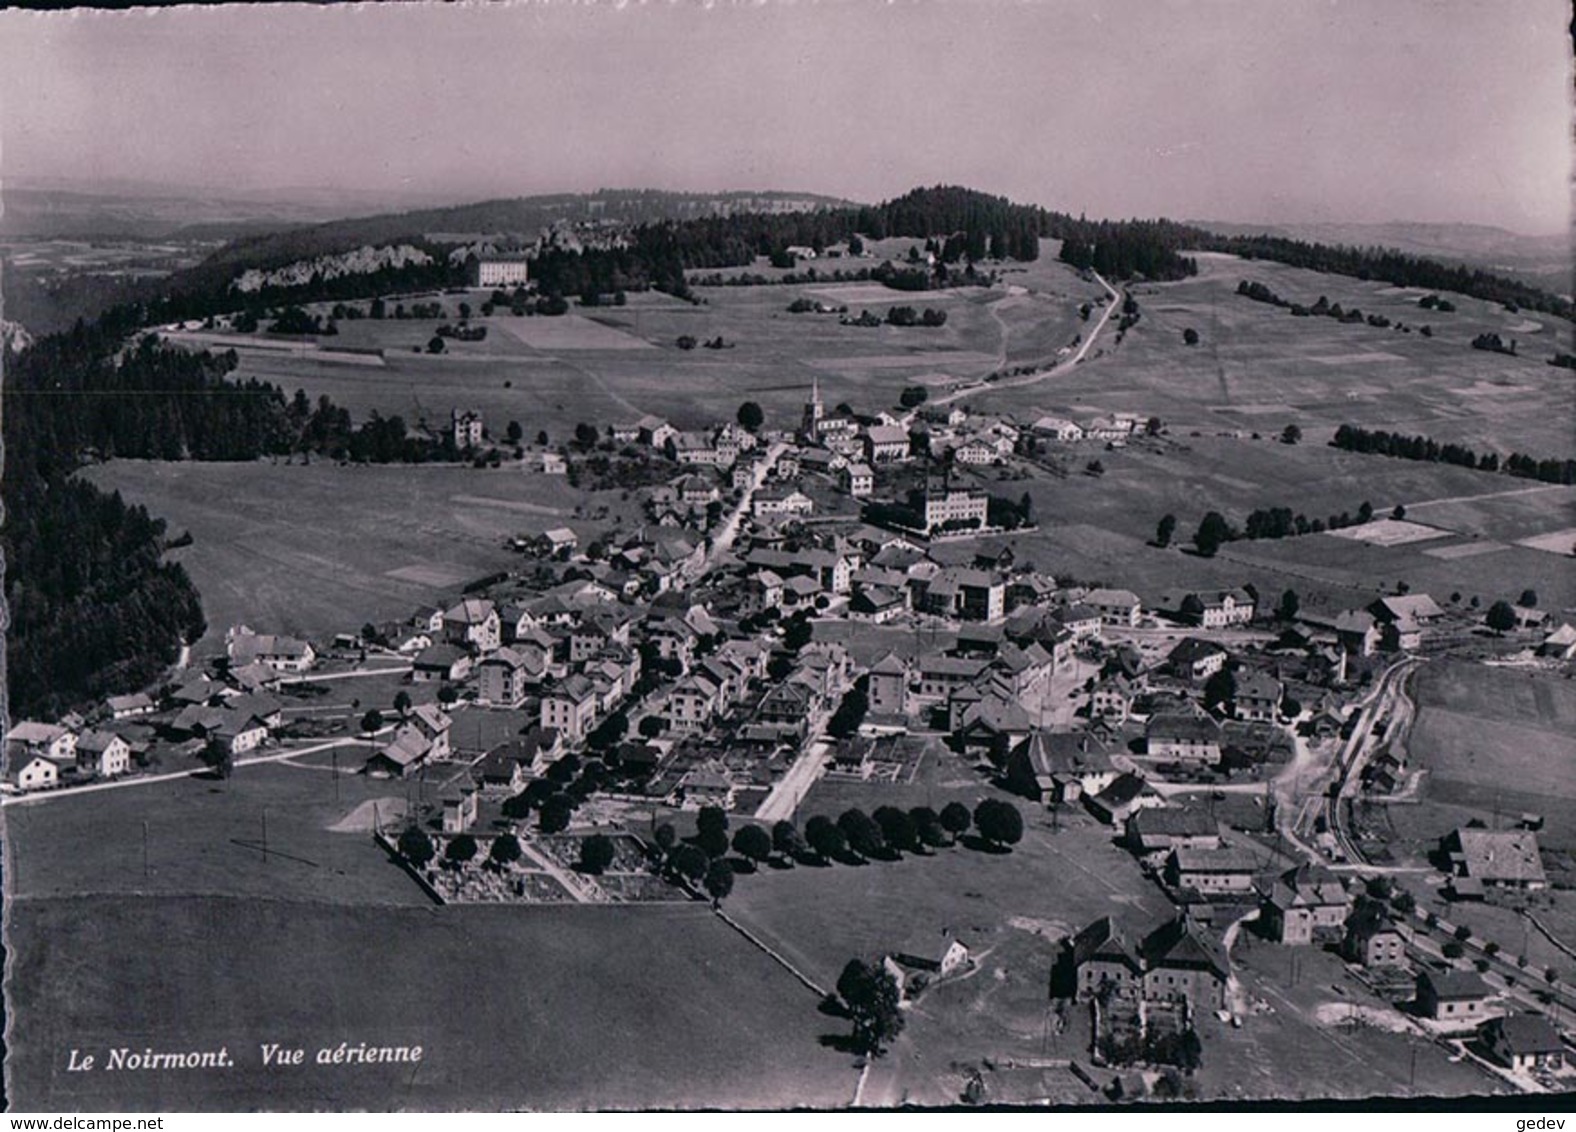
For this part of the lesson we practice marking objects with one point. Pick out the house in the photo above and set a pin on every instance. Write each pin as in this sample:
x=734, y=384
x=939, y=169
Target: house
x=923, y=961
x=1305, y=905
x=1179, y=736
x=554, y=464
x=1116, y=607
x=1057, y=767
x=32, y=772
x=102, y=754
x=1524, y=1043
x=1219, y=609
x=28, y=739
x=1102, y=961
x=503, y=677
x=1057, y=428
x=467, y=428
x=775, y=501
x=571, y=708
x=695, y=448
x=654, y=431
x=887, y=688
x=858, y=480
x=459, y=810
x=696, y=491
x=1402, y=619
x=993, y=727
x=790, y=702
x=1371, y=938
x=406, y=753
x=1226, y=871
x=877, y=604
x=1503, y=859
x=1126, y=795
x=504, y=769
x=1153, y=834
x=1195, y=660
x=238, y=732
x=693, y=703
x=559, y=542
x=1082, y=621
x=1112, y=699
x=433, y=724
x=975, y=452
x=1357, y=632
x=940, y=675
x=441, y=662
x=282, y=654
x=1183, y=961
x=1458, y=998
x=473, y=623
x=129, y=707
x=886, y=444
x=1258, y=697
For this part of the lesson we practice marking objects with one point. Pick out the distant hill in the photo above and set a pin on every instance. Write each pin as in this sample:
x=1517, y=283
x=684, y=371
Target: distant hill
x=1543, y=261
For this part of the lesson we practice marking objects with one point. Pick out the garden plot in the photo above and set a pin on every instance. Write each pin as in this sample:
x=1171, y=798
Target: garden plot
x=1390, y=532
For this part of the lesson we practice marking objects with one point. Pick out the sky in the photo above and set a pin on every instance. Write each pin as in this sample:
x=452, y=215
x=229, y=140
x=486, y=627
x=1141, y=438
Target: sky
x=1260, y=111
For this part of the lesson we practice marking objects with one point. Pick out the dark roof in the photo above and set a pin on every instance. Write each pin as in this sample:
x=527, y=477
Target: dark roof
x=1527, y=1033
x=1103, y=940
x=1454, y=984
x=1123, y=790
x=1180, y=943
x=1171, y=821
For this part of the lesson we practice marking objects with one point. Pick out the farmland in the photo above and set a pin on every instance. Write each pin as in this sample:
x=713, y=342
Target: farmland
x=540, y=1008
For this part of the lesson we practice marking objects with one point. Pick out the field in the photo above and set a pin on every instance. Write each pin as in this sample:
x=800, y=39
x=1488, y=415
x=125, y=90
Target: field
x=536, y=1008
x=515, y=1007
x=1500, y=739
x=321, y=549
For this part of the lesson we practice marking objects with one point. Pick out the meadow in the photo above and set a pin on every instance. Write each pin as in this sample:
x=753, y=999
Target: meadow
x=544, y=1008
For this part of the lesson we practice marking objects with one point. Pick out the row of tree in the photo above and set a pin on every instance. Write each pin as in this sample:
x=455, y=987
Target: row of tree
x=1351, y=438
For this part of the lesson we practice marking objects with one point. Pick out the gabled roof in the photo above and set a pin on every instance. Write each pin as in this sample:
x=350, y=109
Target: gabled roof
x=1507, y=855
x=1111, y=597
x=1259, y=685
x=1125, y=789
x=1171, y=822
x=471, y=611
x=439, y=656
x=1454, y=984
x=1527, y=1034
x=1227, y=859
x=1191, y=650
x=1308, y=886
x=1105, y=941
x=1055, y=753
x=1175, y=725
x=1182, y=944
x=33, y=734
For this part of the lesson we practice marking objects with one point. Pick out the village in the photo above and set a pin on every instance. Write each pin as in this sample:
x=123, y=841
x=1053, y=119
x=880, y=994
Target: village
x=811, y=604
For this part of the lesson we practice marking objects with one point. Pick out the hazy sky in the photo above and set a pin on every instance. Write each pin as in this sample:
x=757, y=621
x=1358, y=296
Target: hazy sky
x=1253, y=110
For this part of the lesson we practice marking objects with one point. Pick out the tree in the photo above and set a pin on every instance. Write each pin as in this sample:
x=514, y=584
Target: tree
x=666, y=837
x=897, y=828
x=517, y=807
x=461, y=849
x=541, y=438
x=871, y=996
x=555, y=814
x=850, y=712
x=688, y=862
x=786, y=840
x=955, y=819
x=1165, y=529
x=998, y=822
x=927, y=824
x=1501, y=617
x=415, y=846
x=402, y=702
x=752, y=843
x=435, y=345
x=824, y=837
x=797, y=634
x=505, y=849
x=913, y=396
x=596, y=853
x=712, y=818
x=751, y=416
x=1528, y=599
x=1291, y=434
x=1190, y=337
x=514, y=433
x=863, y=834
x=447, y=694
x=372, y=721
x=651, y=726
x=586, y=435
x=1212, y=532
x=1220, y=690
x=1399, y=513
x=686, y=342
x=719, y=882
x=1365, y=513
x=1289, y=604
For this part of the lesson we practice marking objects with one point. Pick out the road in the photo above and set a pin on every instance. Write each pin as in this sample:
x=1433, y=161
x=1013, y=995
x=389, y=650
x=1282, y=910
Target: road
x=1041, y=375
x=722, y=541
x=796, y=782
x=151, y=779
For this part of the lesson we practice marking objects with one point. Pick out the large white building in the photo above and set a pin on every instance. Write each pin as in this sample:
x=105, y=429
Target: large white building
x=503, y=271
x=956, y=503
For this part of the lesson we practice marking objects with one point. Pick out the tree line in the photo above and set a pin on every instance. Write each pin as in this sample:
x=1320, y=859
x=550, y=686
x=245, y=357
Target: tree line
x=1351, y=438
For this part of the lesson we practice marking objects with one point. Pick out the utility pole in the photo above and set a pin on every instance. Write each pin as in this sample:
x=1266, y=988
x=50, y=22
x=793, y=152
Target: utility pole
x=145, y=851
x=265, y=835
x=334, y=755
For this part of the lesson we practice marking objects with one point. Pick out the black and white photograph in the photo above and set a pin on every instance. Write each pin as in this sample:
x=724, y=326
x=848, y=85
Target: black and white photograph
x=934, y=555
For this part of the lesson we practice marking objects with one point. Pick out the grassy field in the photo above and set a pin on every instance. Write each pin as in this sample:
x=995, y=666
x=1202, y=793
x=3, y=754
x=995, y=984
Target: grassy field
x=538, y=1008
x=321, y=549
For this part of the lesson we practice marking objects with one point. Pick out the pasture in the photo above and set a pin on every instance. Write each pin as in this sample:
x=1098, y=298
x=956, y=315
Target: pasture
x=315, y=549
x=545, y=1008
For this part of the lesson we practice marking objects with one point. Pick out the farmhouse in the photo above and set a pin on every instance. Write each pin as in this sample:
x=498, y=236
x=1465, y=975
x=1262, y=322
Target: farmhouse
x=46, y=740
x=1112, y=699
x=403, y=756
x=1057, y=428
x=1371, y=939
x=282, y=654
x=1056, y=767
x=473, y=623
x=772, y=501
x=1505, y=859
x=1225, y=871
x=1194, y=738
x=1258, y=697
x=859, y=480
x=1103, y=961
x=33, y=772
x=1125, y=796
x=129, y=707
x=467, y=427
x=1153, y=834
x=1182, y=961
x=441, y=662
